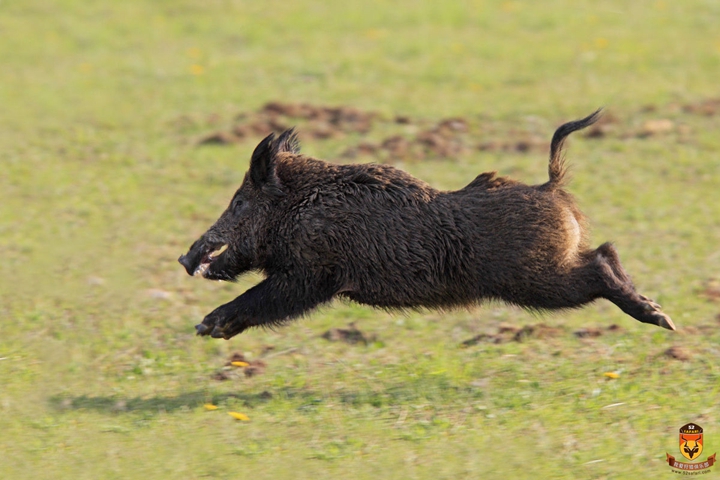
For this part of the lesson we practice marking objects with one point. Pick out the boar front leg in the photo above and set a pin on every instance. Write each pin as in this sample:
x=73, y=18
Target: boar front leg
x=272, y=302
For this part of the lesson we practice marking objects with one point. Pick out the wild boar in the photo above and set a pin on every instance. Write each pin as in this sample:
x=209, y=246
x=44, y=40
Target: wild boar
x=378, y=236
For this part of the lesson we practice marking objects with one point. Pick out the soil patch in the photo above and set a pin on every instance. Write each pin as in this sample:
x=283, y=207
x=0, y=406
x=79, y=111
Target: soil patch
x=593, y=332
x=238, y=363
x=708, y=107
x=677, y=353
x=711, y=290
x=351, y=335
x=407, y=138
x=511, y=333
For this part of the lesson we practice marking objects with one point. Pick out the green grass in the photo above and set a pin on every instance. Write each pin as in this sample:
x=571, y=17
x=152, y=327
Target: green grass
x=102, y=188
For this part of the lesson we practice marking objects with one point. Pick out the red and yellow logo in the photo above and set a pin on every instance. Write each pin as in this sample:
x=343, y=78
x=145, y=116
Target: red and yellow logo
x=691, y=446
x=691, y=441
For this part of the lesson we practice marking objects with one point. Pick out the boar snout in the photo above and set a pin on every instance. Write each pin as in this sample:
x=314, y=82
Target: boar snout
x=187, y=263
x=200, y=256
x=193, y=258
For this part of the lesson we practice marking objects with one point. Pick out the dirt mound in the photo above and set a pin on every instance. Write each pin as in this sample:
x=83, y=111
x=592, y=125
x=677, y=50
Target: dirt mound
x=238, y=363
x=711, y=290
x=605, y=126
x=350, y=335
x=327, y=119
x=511, y=333
x=593, y=332
x=446, y=138
x=406, y=138
x=610, y=125
x=442, y=140
x=677, y=353
x=708, y=107
x=526, y=144
x=318, y=122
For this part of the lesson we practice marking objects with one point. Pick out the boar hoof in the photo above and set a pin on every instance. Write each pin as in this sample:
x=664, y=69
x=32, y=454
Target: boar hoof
x=662, y=320
x=217, y=333
x=652, y=314
x=650, y=305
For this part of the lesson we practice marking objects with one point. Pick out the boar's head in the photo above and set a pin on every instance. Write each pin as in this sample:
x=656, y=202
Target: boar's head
x=235, y=243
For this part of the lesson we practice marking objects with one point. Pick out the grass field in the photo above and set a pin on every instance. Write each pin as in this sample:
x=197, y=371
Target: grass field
x=103, y=185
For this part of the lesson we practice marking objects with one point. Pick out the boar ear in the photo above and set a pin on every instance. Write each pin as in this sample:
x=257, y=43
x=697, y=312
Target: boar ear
x=262, y=166
x=287, y=142
x=262, y=163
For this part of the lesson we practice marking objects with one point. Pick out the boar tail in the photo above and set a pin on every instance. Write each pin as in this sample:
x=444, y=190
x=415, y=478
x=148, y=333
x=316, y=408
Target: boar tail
x=557, y=168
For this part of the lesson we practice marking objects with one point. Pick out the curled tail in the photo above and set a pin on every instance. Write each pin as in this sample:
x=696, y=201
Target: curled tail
x=556, y=169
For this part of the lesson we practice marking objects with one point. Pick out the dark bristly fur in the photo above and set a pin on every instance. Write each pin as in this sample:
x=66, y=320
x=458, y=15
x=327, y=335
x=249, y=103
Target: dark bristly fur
x=378, y=236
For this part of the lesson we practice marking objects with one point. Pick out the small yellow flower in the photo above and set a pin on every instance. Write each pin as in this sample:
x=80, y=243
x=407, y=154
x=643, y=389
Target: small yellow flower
x=601, y=43
x=239, y=364
x=196, y=69
x=375, y=33
x=611, y=375
x=239, y=416
x=210, y=406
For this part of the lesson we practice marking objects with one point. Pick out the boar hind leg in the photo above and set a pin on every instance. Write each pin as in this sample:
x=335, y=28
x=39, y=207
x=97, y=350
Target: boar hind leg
x=616, y=286
x=272, y=302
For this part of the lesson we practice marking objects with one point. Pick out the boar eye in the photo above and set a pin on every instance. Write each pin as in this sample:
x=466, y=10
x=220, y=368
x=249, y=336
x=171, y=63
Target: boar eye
x=236, y=204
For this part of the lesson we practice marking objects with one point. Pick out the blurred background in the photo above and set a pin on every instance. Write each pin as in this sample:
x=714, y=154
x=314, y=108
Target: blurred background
x=125, y=128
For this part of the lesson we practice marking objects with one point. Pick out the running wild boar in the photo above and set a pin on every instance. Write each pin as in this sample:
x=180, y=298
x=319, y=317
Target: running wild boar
x=378, y=236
